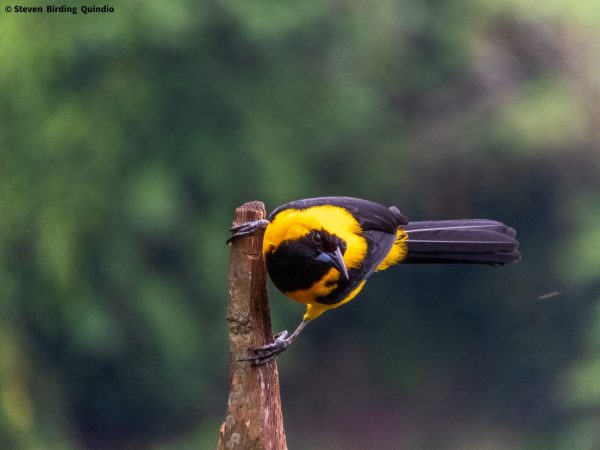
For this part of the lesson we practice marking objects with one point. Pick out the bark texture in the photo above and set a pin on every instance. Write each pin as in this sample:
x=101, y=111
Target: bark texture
x=253, y=419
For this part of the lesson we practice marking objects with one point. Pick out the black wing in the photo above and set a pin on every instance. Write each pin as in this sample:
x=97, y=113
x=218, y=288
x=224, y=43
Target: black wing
x=370, y=215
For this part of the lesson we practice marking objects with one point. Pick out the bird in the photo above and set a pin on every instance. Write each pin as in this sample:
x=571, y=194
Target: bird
x=321, y=251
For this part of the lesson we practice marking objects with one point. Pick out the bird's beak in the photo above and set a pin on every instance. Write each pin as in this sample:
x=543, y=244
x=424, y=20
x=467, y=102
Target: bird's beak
x=335, y=259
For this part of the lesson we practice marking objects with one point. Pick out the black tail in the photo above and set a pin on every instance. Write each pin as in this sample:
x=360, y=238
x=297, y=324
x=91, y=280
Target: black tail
x=476, y=241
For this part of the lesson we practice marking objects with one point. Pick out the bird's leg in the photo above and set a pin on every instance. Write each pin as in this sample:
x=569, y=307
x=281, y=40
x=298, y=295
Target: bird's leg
x=247, y=228
x=269, y=352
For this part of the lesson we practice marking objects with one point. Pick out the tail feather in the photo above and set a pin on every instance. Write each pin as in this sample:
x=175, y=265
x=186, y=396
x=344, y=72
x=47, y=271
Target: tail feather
x=476, y=241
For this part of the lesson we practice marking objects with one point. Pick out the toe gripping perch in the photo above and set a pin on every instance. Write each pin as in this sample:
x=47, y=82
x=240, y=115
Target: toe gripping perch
x=266, y=353
x=246, y=229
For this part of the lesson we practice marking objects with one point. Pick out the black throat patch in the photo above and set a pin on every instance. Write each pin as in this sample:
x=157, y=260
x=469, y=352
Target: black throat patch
x=292, y=266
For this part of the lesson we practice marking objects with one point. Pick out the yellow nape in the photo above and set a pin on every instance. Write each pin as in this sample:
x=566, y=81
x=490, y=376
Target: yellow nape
x=397, y=252
x=292, y=224
x=314, y=310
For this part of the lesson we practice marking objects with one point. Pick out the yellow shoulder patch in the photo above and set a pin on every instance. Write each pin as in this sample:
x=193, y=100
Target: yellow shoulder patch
x=397, y=252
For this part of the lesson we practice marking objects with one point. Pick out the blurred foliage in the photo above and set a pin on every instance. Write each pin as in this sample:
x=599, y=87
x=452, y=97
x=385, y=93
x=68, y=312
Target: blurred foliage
x=128, y=139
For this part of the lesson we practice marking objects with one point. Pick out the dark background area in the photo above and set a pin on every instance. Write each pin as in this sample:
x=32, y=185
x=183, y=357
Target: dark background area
x=128, y=139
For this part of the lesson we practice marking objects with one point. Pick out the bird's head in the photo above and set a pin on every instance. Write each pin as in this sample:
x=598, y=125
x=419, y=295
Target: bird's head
x=300, y=254
x=322, y=248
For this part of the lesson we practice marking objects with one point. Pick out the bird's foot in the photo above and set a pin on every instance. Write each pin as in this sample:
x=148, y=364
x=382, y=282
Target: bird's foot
x=267, y=353
x=247, y=228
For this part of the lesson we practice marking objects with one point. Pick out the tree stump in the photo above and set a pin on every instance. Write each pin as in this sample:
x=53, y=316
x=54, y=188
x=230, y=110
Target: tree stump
x=253, y=419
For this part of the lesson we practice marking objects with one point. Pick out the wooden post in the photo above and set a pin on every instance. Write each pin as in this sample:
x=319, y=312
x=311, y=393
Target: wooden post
x=253, y=420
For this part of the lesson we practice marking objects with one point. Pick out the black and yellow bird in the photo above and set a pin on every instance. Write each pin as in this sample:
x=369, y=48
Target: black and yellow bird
x=321, y=251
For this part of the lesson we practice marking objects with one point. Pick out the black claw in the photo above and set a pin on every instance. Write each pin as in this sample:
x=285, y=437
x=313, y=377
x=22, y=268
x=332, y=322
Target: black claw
x=246, y=229
x=269, y=352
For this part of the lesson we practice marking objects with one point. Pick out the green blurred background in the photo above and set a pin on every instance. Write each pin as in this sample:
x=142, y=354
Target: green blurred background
x=128, y=139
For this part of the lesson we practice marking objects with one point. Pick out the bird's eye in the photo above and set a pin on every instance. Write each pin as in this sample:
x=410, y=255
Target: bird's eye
x=317, y=238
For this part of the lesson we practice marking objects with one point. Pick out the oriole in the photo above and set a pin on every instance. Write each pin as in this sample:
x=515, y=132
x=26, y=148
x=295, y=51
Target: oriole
x=320, y=251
